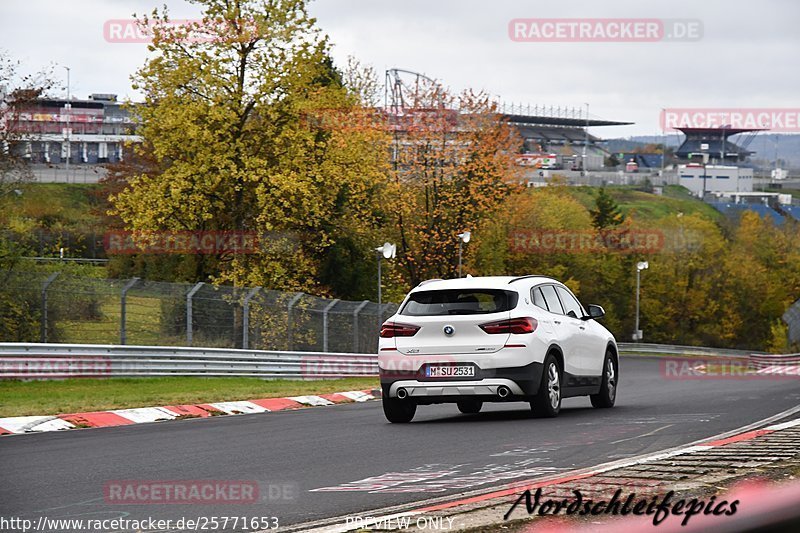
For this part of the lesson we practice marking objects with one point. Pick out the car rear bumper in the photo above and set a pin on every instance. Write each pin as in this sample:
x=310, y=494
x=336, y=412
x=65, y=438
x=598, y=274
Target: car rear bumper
x=523, y=382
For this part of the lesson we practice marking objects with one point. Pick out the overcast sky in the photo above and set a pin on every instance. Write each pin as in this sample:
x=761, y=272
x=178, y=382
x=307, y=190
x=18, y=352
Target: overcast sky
x=748, y=57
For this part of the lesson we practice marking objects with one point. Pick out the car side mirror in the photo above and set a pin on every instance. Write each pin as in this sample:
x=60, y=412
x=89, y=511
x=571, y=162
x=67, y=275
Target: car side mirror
x=595, y=311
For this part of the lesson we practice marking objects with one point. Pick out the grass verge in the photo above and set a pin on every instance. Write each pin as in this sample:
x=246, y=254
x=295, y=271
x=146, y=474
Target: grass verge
x=22, y=398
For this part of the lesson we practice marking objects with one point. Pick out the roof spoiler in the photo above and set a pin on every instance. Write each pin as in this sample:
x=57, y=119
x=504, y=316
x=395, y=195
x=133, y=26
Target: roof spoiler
x=531, y=276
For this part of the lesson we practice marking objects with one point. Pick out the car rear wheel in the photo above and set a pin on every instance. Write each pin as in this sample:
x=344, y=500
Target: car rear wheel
x=470, y=407
x=608, y=387
x=398, y=411
x=547, y=403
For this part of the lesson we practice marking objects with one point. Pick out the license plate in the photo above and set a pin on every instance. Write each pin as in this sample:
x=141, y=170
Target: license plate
x=450, y=371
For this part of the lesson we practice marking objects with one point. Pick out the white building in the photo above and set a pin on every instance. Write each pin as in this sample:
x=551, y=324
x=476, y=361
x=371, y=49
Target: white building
x=759, y=197
x=715, y=178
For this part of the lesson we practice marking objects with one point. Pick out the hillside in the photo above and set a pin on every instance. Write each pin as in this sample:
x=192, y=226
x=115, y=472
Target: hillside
x=646, y=206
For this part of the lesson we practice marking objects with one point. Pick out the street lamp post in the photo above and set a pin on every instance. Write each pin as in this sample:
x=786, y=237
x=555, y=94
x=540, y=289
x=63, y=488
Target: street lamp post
x=641, y=265
x=387, y=251
x=68, y=135
x=463, y=238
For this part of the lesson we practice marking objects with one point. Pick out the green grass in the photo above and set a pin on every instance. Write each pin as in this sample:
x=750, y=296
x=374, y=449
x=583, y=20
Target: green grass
x=649, y=207
x=142, y=323
x=21, y=398
x=56, y=204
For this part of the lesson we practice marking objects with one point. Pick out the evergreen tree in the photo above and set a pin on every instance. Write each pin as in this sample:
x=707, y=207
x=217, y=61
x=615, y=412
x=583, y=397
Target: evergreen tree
x=606, y=213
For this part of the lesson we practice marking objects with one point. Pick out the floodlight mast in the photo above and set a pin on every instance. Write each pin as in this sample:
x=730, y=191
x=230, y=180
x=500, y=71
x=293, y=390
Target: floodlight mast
x=405, y=91
x=400, y=95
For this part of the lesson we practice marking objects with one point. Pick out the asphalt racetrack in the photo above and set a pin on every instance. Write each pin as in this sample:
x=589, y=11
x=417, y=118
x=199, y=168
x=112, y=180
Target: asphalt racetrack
x=317, y=463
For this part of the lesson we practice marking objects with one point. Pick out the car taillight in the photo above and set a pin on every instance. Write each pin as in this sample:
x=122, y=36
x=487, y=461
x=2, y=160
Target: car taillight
x=395, y=329
x=513, y=325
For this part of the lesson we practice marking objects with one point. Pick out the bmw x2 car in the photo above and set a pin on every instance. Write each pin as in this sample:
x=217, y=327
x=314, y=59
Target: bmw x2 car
x=495, y=339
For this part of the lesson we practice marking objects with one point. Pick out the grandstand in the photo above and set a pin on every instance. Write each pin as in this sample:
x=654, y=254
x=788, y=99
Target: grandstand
x=561, y=132
x=715, y=142
x=87, y=132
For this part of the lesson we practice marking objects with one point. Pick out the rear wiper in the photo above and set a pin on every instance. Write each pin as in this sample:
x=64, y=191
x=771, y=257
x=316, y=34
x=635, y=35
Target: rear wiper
x=462, y=312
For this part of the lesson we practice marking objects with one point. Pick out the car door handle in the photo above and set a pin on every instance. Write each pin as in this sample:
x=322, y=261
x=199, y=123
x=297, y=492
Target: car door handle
x=557, y=321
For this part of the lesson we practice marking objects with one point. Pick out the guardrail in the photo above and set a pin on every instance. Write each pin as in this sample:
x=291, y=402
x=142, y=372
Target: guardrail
x=43, y=361
x=670, y=349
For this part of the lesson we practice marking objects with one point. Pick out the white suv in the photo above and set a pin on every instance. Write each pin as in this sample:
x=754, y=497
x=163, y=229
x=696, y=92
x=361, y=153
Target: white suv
x=473, y=340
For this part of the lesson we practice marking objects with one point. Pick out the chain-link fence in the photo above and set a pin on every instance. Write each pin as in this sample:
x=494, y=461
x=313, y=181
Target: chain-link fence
x=62, y=308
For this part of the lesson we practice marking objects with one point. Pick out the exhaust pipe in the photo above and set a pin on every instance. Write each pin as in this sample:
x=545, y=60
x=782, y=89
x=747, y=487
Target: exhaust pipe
x=402, y=393
x=503, y=391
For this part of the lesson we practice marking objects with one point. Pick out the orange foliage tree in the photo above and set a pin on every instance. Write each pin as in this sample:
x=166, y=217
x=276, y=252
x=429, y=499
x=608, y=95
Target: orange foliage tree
x=453, y=165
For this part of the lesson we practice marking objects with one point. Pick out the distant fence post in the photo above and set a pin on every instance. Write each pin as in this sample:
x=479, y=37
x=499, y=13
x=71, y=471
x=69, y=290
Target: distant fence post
x=45, y=285
x=246, y=317
x=290, y=341
x=325, y=324
x=355, y=324
x=123, y=309
x=189, y=312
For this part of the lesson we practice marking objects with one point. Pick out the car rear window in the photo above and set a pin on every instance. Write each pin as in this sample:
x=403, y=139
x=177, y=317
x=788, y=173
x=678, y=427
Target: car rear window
x=551, y=298
x=459, y=302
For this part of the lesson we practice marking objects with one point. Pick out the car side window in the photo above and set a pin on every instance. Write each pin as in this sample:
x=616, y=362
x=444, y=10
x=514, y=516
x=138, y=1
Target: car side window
x=571, y=305
x=550, y=296
x=538, y=299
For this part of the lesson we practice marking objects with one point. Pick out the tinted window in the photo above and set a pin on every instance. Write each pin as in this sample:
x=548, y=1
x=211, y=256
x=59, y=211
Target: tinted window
x=550, y=297
x=459, y=302
x=571, y=305
x=538, y=299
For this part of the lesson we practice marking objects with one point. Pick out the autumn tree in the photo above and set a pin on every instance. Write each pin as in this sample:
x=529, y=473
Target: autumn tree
x=19, y=310
x=761, y=276
x=680, y=291
x=520, y=238
x=454, y=163
x=17, y=91
x=231, y=116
